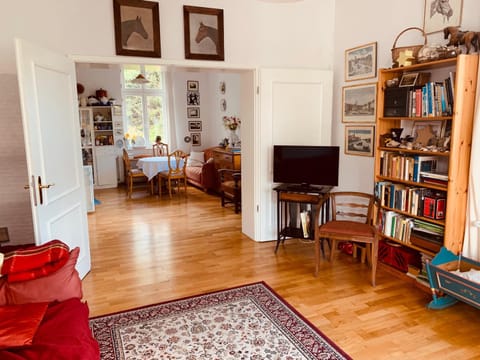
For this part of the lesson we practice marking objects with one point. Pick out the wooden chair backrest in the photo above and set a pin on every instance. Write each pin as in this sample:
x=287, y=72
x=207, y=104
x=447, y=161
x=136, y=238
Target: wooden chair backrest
x=160, y=149
x=177, y=167
x=126, y=161
x=352, y=206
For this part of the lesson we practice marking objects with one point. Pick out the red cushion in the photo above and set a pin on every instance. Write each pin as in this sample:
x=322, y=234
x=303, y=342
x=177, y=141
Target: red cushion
x=19, y=323
x=348, y=228
x=63, y=284
x=64, y=334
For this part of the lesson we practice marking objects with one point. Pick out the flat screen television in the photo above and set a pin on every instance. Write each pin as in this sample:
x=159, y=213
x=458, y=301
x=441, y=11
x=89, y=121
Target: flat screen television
x=302, y=165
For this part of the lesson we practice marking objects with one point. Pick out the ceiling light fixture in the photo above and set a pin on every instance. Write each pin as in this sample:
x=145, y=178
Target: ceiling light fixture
x=140, y=79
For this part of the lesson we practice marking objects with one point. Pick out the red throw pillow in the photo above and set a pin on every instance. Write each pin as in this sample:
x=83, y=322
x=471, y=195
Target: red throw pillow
x=61, y=285
x=18, y=323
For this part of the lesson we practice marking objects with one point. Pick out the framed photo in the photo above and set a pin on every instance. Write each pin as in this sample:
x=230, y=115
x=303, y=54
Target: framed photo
x=223, y=87
x=440, y=14
x=137, y=28
x=192, y=85
x=193, y=112
x=203, y=33
x=194, y=125
x=193, y=98
x=408, y=79
x=359, y=103
x=359, y=140
x=196, y=139
x=361, y=62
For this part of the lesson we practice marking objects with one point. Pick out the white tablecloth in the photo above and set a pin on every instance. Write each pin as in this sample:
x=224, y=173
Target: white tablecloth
x=151, y=166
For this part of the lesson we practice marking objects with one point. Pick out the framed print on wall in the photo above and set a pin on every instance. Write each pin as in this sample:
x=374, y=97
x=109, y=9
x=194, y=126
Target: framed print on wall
x=359, y=103
x=196, y=139
x=359, y=140
x=193, y=112
x=193, y=98
x=194, y=125
x=361, y=62
x=193, y=85
x=203, y=33
x=137, y=28
x=440, y=14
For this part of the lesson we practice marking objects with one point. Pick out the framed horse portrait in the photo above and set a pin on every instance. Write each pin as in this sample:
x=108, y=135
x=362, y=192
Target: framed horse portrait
x=440, y=14
x=203, y=33
x=137, y=28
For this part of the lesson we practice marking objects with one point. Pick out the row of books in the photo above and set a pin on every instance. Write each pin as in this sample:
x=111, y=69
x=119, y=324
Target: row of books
x=407, y=199
x=435, y=98
x=411, y=167
x=395, y=225
x=404, y=228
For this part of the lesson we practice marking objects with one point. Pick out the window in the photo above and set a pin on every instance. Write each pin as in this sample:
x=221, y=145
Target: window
x=145, y=104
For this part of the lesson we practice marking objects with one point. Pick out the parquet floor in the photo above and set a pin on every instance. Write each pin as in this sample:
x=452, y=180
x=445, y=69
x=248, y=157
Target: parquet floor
x=148, y=250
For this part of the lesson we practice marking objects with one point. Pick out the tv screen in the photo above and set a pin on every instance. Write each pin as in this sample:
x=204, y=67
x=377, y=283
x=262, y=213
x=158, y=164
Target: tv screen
x=306, y=165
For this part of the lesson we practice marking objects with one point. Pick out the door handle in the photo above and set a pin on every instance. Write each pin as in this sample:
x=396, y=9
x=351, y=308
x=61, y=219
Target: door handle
x=41, y=187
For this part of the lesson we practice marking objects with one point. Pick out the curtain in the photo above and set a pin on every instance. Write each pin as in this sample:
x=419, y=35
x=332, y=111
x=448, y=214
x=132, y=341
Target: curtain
x=471, y=246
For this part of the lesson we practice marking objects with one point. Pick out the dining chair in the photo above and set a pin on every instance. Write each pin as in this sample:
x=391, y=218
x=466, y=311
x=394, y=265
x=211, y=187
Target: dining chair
x=160, y=149
x=231, y=188
x=350, y=220
x=134, y=176
x=177, y=163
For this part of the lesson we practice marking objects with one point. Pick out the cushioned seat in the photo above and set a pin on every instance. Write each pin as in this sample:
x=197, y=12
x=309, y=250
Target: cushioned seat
x=231, y=188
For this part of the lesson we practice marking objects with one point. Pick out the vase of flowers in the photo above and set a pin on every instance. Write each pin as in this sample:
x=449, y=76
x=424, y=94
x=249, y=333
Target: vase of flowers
x=232, y=123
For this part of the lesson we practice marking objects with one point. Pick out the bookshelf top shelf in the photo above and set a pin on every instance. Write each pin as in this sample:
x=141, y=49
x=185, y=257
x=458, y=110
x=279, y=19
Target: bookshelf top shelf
x=415, y=152
x=427, y=65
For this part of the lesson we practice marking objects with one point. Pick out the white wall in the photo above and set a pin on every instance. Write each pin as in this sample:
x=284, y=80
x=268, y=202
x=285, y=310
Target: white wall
x=96, y=76
x=362, y=22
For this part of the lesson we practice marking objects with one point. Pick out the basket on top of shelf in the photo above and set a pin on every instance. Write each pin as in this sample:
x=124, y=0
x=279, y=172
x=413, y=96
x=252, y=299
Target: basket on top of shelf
x=406, y=55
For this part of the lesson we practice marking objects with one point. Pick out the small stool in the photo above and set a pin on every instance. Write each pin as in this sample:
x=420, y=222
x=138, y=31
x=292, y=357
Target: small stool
x=363, y=251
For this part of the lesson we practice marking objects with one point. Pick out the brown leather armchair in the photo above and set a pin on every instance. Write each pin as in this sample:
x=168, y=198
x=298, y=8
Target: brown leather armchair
x=231, y=188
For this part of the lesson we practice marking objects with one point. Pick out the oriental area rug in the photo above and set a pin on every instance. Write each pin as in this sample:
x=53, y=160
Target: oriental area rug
x=246, y=322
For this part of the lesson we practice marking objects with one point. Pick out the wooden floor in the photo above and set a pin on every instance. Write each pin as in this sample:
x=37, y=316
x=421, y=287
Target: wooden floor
x=148, y=250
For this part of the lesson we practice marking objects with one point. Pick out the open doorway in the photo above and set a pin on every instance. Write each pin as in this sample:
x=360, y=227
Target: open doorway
x=221, y=93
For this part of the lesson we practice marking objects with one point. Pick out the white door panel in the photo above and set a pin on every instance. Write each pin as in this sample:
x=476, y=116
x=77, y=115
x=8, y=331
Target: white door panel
x=52, y=142
x=295, y=109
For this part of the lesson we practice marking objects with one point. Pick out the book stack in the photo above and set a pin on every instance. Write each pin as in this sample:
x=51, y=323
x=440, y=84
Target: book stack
x=427, y=235
x=434, y=177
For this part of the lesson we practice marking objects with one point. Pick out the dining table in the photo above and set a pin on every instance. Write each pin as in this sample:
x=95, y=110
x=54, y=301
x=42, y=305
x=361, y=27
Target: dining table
x=152, y=165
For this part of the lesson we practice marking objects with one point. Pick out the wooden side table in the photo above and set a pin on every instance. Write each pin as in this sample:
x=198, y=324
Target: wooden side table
x=309, y=199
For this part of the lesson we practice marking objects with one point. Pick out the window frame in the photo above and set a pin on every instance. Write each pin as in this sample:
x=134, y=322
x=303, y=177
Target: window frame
x=144, y=92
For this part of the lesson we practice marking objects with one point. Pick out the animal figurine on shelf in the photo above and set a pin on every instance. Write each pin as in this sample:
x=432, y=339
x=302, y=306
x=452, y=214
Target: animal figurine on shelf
x=457, y=37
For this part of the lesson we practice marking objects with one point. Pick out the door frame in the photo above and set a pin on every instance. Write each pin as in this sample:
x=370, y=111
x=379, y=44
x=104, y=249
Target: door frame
x=250, y=136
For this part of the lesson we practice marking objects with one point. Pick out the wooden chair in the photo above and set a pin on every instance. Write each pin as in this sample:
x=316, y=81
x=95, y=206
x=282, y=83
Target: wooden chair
x=231, y=188
x=177, y=162
x=160, y=149
x=133, y=176
x=351, y=220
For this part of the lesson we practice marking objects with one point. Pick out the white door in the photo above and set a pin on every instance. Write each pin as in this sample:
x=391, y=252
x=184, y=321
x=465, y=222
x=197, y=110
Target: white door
x=52, y=142
x=295, y=109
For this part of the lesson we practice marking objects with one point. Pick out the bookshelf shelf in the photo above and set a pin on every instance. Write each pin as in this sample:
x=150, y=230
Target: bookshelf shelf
x=401, y=169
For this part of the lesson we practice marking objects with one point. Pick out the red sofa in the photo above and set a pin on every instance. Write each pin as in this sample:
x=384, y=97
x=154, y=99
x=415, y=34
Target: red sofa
x=201, y=171
x=44, y=317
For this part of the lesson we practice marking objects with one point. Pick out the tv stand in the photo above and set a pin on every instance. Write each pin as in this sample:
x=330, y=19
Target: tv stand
x=292, y=200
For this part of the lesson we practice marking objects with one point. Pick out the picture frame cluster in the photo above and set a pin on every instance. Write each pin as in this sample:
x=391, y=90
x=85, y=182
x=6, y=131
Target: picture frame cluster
x=359, y=100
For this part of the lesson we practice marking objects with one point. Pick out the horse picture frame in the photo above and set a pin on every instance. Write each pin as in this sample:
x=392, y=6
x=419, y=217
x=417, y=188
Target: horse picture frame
x=137, y=28
x=203, y=33
x=440, y=14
